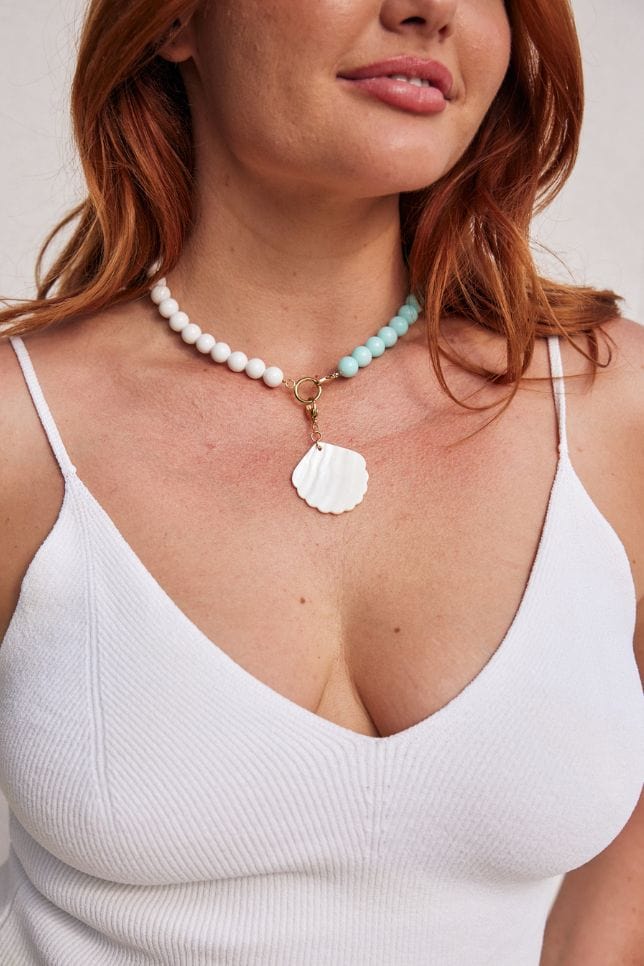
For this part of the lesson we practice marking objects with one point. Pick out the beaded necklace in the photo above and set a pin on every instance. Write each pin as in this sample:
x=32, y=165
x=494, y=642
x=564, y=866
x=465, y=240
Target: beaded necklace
x=329, y=478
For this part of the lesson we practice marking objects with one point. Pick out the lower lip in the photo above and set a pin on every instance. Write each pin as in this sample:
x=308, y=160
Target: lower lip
x=401, y=94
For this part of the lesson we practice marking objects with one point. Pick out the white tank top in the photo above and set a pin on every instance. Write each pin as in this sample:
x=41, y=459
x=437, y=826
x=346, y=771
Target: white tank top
x=167, y=808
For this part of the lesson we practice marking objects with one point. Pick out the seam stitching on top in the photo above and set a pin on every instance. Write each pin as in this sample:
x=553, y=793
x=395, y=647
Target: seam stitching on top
x=93, y=672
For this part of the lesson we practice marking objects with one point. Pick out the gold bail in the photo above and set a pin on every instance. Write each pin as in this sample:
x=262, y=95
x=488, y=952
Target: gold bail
x=309, y=403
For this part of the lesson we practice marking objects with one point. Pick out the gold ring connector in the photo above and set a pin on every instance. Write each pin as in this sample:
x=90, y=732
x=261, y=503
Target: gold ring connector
x=307, y=399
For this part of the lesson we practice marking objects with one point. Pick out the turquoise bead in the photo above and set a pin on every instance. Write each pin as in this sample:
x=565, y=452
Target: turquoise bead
x=408, y=312
x=362, y=355
x=399, y=324
x=388, y=335
x=347, y=366
x=375, y=345
x=412, y=300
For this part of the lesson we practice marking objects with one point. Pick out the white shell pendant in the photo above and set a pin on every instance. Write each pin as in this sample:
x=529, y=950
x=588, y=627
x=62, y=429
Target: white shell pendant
x=332, y=479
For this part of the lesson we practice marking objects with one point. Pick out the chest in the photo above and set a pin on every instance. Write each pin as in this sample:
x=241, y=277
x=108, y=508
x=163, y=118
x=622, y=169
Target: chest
x=437, y=654
x=373, y=619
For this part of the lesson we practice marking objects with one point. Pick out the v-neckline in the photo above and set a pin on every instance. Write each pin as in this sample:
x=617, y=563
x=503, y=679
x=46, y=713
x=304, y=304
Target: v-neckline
x=293, y=710
x=285, y=706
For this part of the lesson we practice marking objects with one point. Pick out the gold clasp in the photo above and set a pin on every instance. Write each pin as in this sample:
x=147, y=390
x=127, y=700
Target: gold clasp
x=307, y=399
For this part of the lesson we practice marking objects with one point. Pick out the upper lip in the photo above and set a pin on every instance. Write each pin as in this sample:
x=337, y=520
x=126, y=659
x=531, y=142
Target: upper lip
x=432, y=70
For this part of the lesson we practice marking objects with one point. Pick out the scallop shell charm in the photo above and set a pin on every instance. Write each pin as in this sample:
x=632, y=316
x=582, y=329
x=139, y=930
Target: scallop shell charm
x=332, y=479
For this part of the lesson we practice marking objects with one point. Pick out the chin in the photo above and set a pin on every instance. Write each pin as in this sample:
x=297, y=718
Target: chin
x=398, y=164
x=375, y=179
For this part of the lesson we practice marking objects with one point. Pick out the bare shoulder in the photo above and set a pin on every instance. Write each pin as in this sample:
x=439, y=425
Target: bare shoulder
x=628, y=336
x=16, y=411
x=621, y=409
x=31, y=486
x=621, y=372
x=604, y=420
x=606, y=431
x=610, y=408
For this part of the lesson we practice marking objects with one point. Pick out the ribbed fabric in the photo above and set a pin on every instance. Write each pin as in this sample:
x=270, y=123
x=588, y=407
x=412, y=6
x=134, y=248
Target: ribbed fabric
x=166, y=807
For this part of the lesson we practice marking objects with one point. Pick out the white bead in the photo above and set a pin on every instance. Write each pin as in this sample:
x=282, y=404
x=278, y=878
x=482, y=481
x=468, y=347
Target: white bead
x=205, y=342
x=160, y=293
x=220, y=351
x=237, y=361
x=255, y=368
x=190, y=333
x=168, y=307
x=153, y=269
x=178, y=321
x=273, y=376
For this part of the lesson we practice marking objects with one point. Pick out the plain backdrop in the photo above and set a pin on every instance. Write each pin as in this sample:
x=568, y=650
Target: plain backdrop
x=595, y=226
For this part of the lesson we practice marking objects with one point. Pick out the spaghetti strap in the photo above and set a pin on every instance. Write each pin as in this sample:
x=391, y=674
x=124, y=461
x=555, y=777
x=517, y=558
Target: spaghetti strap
x=44, y=413
x=559, y=390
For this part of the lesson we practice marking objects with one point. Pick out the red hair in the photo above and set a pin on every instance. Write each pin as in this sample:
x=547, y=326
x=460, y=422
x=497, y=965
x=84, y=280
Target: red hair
x=465, y=238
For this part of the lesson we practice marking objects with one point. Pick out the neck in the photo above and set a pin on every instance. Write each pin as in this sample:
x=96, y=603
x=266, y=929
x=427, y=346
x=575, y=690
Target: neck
x=299, y=281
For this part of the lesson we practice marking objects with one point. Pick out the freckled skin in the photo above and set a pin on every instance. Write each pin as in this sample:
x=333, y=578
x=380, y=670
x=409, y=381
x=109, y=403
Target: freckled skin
x=265, y=95
x=299, y=172
x=296, y=248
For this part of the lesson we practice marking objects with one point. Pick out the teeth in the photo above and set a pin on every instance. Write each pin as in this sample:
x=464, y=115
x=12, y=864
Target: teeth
x=416, y=81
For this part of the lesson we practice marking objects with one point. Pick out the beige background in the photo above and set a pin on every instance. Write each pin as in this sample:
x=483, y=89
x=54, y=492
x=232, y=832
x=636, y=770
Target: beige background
x=596, y=225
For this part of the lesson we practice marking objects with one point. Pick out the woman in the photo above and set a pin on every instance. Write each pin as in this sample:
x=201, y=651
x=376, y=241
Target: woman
x=254, y=709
